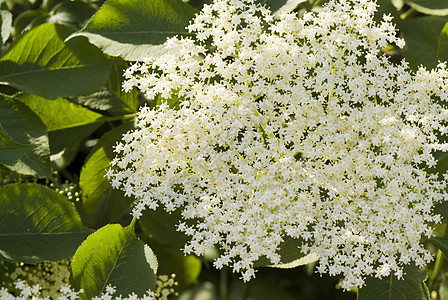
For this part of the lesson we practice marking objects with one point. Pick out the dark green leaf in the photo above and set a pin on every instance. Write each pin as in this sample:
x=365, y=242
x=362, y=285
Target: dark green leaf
x=429, y=7
x=29, y=19
x=37, y=224
x=39, y=62
x=187, y=268
x=113, y=256
x=422, y=38
x=133, y=29
x=281, y=5
x=442, y=51
x=101, y=203
x=161, y=226
x=290, y=254
x=387, y=7
x=442, y=244
x=24, y=127
x=64, y=143
x=412, y=286
x=112, y=97
x=10, y=150
x=441, y=168
x=75, y=13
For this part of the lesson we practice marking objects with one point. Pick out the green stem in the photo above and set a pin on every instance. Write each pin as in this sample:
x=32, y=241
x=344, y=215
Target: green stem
x=223, y=284
x=408, y=14
x=437, y=267
x=247, y=290
x=116, y=118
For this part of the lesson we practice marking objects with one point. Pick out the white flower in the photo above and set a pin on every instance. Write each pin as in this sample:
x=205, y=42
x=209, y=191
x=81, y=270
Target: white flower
x=290, y=127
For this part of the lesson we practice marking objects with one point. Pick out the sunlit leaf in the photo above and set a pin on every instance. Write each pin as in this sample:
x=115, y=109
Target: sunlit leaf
x=133, y=29
x=39, y=62
x=113, y=256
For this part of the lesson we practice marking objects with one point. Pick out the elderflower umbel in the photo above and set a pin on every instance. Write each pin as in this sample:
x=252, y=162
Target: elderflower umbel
x=290, y=127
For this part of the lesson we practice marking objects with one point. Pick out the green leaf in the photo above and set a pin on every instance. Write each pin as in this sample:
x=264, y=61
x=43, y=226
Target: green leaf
x=422, y=38
x=442, y=50
x=387, y=7
x=101, y=203
x=290, y=255
x=64, y=143
x=39, y=62
x=281, y=5
x=59, y=113
x=29, y=19
x=74, y=13
x=441, y=167
x=412, y=286
x=441, y=243
x=37, y=224
x=10, y=150
x=112, y=97
x=25, y=128
x=133, y=29
x=161, y=226
x=187, y=268
x=429, y=7
x=113, y=256
x=6, y=25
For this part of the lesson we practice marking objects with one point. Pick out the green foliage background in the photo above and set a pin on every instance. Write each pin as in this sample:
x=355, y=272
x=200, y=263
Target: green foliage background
x=62, y=110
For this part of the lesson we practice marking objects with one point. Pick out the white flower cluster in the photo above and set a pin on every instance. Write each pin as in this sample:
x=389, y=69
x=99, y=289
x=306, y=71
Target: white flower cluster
x=164, y=288
x=290, y=127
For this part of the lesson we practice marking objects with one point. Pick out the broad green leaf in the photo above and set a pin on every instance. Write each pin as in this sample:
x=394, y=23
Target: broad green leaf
x=39, y=62
x=113, y=256
x=441, y=243
x=429, y=7
x=10, y=150
x=59, y=113
x=442, y=50
x=101, y=203
x=387, y=7
x=112, y=97
x=64, y=143
x=290, y=255
x=422, y=38
x=133, y=29
x=412, y=286
x=25, y=128
x=161, y=226
x=6, y=25
x=37, y=224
